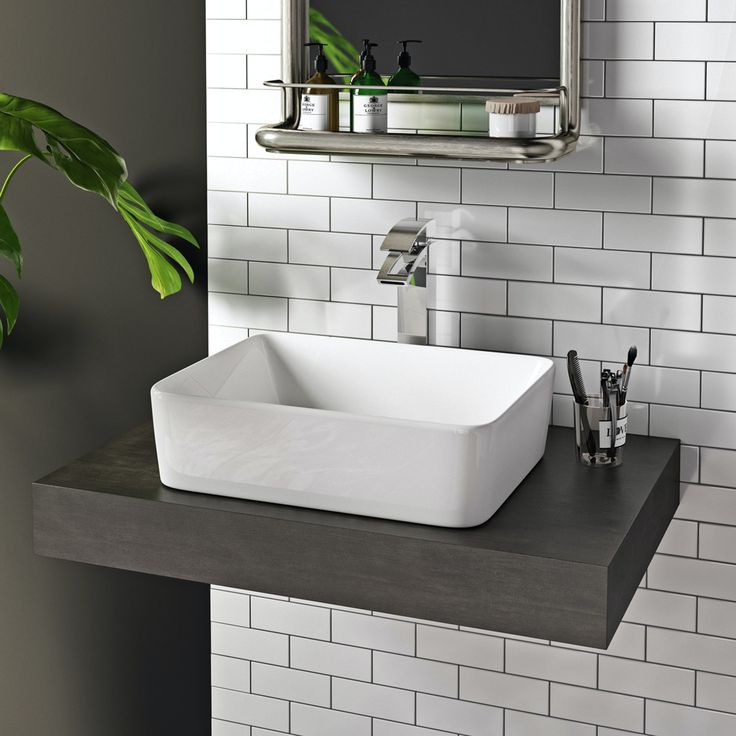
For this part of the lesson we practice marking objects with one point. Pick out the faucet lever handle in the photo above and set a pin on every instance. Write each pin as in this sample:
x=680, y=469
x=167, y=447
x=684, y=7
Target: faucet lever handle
x=407, y=236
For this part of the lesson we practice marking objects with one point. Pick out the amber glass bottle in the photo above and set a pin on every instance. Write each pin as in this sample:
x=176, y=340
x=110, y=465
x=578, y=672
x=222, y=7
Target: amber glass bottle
x=320, y=107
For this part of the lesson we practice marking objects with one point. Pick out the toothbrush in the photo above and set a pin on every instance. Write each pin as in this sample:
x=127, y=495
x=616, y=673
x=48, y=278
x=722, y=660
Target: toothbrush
x=615, y=402
x=609, y=386
x=605, y=373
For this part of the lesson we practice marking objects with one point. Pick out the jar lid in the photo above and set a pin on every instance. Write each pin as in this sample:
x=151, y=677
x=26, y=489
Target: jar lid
x=512, y=105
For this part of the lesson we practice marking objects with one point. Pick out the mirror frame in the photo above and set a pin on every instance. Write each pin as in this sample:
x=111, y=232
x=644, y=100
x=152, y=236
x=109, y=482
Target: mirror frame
x=285, y=137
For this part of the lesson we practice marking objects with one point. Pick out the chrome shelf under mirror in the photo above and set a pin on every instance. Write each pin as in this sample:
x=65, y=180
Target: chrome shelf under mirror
x=285, y=137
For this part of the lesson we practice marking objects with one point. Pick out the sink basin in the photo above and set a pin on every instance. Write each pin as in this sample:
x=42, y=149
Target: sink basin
x=421, y=434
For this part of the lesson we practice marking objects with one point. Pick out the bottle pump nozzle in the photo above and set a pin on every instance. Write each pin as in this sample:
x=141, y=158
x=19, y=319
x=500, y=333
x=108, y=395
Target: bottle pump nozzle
x=405, y=56
x=365, y=50
x=368, y=62
x=320, y=61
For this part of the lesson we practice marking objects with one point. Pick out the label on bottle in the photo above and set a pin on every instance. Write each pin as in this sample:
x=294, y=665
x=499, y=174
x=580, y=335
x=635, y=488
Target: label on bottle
x=315, y=112
x=370, y=114
x=604, y=428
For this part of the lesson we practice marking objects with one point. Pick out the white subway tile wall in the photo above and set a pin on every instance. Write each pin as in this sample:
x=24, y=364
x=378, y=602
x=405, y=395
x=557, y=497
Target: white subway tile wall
x=630, y=240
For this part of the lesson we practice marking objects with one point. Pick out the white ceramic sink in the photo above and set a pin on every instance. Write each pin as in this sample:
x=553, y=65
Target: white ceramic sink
x=421, y=434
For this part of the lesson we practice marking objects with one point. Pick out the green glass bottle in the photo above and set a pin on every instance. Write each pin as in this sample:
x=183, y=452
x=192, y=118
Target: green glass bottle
x=369, y=103
x=404, y=76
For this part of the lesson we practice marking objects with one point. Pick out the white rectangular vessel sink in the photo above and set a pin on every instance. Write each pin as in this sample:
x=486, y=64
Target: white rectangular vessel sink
x=421, y=434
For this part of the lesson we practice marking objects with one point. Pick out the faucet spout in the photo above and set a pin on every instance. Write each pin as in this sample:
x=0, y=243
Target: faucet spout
x=406, y=267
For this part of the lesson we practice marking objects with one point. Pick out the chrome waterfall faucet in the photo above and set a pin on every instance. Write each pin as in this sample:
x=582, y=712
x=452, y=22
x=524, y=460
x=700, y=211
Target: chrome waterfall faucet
x=406, y=267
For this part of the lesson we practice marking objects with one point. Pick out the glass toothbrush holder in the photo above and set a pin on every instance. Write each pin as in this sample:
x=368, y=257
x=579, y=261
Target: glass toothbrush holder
x=593, y=433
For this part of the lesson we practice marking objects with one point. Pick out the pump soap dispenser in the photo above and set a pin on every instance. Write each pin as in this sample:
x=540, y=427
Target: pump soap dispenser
x=320, y=107
x=369, y=108
x=363, y=54
x=404, y=76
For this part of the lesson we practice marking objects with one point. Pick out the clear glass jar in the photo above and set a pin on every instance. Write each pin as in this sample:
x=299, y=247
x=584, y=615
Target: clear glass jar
x=594, y=428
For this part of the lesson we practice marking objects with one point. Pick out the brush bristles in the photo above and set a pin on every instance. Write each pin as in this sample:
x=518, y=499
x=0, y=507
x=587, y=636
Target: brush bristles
x=633, y=352
x=576, y=375
x=579, y=379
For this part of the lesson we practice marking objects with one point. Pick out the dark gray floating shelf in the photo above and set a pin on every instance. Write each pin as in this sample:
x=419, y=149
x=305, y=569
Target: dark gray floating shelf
x=561, y=559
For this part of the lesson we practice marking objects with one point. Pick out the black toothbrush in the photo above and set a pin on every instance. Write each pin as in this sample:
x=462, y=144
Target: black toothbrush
x=614, y=402
x=604, y=387
x=609, y=386
x=581, y=397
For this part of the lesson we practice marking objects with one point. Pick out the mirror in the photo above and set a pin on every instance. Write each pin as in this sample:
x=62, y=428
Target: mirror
x=496, y=40
x=472, y=50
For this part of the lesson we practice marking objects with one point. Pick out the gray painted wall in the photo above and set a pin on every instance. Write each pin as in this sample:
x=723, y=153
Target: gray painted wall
x=86, y=650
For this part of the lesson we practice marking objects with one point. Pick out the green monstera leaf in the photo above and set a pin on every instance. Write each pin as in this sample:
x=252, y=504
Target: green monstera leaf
x=141, y=220
x=341, y=54
x=10, y=249
x=10, y=304
x=9, y=243
x=90, y=163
